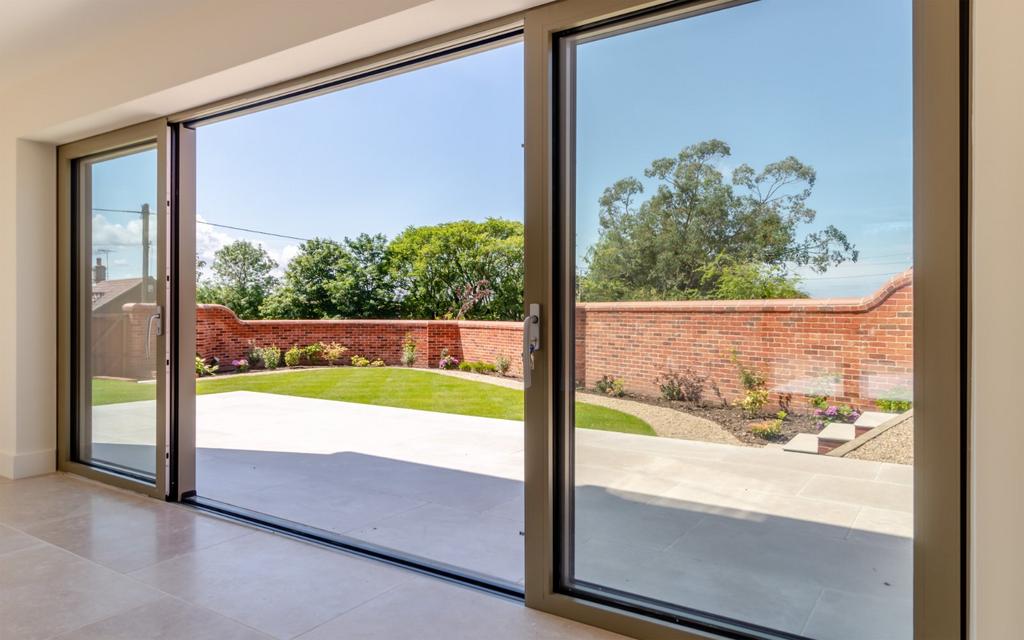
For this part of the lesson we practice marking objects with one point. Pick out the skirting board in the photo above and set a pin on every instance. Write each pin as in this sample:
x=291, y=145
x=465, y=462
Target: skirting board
x=14, y=466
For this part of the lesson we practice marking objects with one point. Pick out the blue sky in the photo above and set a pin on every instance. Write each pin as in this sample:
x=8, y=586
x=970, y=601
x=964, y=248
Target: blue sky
x=826, y=81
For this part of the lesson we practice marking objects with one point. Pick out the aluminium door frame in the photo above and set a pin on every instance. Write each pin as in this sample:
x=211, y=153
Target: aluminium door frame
x=940, y=322
x=69, y=316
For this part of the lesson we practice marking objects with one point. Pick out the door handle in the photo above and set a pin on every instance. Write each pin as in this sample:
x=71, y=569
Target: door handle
x=159, y=317
x=531, y=343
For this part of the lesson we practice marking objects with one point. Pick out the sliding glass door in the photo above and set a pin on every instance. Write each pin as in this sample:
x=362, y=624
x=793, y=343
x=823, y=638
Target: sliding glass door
x=116, y=229
x=731, y=194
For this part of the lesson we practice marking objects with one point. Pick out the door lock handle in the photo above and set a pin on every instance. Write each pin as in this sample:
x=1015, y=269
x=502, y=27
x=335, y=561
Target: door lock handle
x=531, y=343
x=159, y=317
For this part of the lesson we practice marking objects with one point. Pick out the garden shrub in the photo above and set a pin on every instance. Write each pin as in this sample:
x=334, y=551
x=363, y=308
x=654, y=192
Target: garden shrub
x=502, y=364
x=252, y=354
x=313, y=353
x=332, y=352
x=293, y=357
x=203, y=369
x=893, y=405
x=360, y=361
x=753, y=401
x=768, y=430
x=610, y=386
x=408, y=351
x=270, y=357
x=477, y=366
x=377, y=363
x=241, y=365
x=755, y=395
x=818, y=401
x=682, y=386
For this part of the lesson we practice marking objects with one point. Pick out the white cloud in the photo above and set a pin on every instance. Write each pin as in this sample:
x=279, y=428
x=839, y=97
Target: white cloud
x=111, y=234
x=209, y=239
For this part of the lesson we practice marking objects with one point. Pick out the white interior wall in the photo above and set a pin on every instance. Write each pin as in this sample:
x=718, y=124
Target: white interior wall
x=234, y=45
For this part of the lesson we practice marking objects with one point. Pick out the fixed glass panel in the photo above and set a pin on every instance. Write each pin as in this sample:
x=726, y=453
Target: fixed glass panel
x=118, y=311
x=739, y=285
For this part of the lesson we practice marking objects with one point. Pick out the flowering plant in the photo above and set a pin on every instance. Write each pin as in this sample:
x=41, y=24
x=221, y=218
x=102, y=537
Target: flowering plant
x=448, y=361
x=836, y=413
x=241, y=365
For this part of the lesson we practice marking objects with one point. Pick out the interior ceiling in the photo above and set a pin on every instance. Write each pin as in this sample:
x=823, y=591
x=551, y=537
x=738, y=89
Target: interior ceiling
x=36, y=35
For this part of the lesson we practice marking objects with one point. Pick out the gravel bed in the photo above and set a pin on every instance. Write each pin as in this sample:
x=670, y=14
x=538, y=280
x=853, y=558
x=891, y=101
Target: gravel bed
x=896, y=445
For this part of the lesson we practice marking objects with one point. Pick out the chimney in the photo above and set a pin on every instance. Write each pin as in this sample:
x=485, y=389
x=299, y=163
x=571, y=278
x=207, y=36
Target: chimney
x=99, y=272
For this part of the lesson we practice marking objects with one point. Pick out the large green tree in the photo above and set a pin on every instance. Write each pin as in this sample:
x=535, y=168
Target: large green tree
x=701, y=236
x=241, y=278
x=330, y=279
x=460, y=269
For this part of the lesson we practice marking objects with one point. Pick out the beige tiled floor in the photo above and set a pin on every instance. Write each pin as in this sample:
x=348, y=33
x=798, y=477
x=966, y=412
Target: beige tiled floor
x=80, y=560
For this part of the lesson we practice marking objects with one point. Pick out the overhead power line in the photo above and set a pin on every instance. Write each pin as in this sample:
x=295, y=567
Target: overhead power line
x=264, y=233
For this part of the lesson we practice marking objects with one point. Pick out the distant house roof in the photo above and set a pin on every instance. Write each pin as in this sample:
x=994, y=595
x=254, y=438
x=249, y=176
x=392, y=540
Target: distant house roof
x=108, y=291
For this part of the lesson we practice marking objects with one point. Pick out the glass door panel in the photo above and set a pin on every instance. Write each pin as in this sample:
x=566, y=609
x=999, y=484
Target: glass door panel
x=118, y=292
x=740, y=285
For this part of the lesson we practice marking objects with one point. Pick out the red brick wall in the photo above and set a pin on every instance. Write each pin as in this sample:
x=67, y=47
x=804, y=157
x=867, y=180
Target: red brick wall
x=854, y=350
x=220, y=334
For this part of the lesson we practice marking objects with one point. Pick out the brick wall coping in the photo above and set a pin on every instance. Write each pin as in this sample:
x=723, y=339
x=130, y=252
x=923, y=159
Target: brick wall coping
x=818, y=305
x=486, y=324
x=814, y=305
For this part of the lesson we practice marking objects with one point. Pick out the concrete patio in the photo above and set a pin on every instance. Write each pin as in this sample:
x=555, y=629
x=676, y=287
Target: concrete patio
x=812, y=545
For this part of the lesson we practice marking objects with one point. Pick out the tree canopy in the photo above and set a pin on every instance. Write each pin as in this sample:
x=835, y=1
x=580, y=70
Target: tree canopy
x=242, y=276
x=468, y=269
x=701, y=236
x=330, y=279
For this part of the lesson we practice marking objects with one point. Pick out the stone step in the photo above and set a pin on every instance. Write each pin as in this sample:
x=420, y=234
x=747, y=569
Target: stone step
x=838, y=432
x=802, y=443
x=871, y=419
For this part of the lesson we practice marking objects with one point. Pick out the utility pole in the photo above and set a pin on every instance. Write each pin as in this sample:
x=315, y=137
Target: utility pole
x=145, y=252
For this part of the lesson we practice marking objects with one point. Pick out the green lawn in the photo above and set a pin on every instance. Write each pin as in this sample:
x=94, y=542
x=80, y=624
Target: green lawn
x=389, y=387
x=106, y=391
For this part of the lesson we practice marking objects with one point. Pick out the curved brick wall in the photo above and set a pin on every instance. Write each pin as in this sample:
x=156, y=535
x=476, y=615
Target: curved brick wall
x=856, y=349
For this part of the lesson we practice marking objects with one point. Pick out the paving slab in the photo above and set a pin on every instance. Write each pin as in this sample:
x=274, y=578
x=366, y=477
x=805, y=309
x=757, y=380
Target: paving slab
x=683, y=521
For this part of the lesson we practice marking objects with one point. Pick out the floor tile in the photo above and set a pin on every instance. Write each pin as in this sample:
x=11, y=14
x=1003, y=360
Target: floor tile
x=133, y=534
x=166, y=619
x=36, y=500
x=13, y=540
x=47, y=591
x=275, y=585
x=433, y=610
